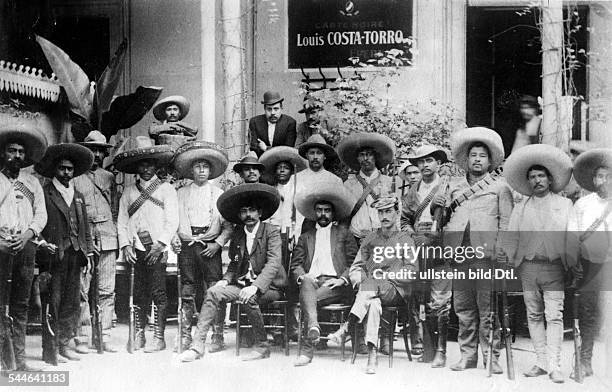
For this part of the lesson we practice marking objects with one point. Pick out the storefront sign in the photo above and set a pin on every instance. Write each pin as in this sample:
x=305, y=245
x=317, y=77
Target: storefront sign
x=326, y=33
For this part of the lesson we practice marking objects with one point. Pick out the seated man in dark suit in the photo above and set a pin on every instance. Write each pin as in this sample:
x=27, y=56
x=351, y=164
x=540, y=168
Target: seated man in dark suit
x=322, y=257
x=273, y=128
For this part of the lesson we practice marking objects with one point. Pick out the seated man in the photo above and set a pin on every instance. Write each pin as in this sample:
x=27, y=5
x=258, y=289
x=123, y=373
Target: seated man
x=322, y=257
x=370, y=272
x=254, y=275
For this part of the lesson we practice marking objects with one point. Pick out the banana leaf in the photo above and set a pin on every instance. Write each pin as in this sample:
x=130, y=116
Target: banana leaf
x=72, y=78
x=126, y=110
x=109, y=80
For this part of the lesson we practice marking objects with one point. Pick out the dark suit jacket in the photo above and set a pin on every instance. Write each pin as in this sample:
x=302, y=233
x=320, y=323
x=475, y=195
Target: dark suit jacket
x=344, y=249
x=265, y=258
x=284, y=134
x=57, y=230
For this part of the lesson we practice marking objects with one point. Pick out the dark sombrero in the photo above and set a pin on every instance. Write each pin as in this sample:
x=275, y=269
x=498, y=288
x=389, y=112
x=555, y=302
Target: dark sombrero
x=271, y=157
x=81, y=157
x=33, y=140
x=127, y=161
x=586, y=164
x=350, y=146
x=199, y=150
x=231, y=201
x=338, y=196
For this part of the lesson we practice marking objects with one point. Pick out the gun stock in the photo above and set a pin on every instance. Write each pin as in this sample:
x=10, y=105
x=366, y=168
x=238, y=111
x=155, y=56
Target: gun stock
x=9, y=362
x=578, y=377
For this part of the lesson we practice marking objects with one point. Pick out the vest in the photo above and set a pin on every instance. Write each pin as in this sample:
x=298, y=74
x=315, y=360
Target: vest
x=74, y=227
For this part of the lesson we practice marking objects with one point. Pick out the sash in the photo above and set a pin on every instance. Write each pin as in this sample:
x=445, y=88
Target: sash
x=425, y=203
x=597, y=222
x=368, y=189
x=145, y=194
x=20, y=186
x=479, y=186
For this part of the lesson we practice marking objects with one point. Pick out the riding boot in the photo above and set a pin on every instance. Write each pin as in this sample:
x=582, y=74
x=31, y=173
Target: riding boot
x=185, y=333
x=217, y=342
x=431, y=327
x=140, y=321
x=158, y=343
x=439, y=360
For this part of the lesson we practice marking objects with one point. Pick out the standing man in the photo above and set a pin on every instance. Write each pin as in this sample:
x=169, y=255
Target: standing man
x=417, y=220
x=255, y=275
x=273, y=128
x=366, y=153
x=529, y=129
x=24, y=215
x=148, y=219
x=68, y=228
x=202, y=230
x=593, y=172
x=170, y=129
x=98, y=189
x=483, y=210
x=322, y=258
x=541, y=248
x=409, y=173
x=249, y=168
x=314, y=123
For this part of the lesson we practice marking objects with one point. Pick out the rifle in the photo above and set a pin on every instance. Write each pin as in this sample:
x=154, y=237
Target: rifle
x=179, y=335
x=96, y=322
x=132, y=326
x=493, y=319
x=506, y=331
x=577, y=338
x=429, y=350
x=8, y=360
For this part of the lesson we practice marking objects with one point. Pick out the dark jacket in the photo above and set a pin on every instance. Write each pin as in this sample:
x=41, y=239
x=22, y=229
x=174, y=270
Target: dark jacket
x=344, y=249
x=57, y=230
x=265, y=258
x=284, y=134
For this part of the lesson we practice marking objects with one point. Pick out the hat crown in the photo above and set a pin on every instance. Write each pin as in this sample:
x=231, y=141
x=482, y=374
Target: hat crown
x=271, y=97
x=95, y=137
x=200, y=144
x=384, y=201
x=142, y=142
x=316, y=138
x=251, y=157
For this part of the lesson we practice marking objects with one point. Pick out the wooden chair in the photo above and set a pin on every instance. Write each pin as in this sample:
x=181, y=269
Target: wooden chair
x=337, y=311
x=271, y=311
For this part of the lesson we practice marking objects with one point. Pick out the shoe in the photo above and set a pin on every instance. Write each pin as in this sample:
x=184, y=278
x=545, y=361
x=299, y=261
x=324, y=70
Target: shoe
x=314, y=333
x=439, y=360
x=157, y=345
x=557, y=377
x=372, y=360
x=463, y=364
x=535, y=371
x=68, y=354
x=321, y=345
x=24, y=367
x=82, y=348
x=139, y=341
x=336, y=337
x=107, y=347
x=496, y=369
x=302, y=360
x=216, y=347
x=189, y=356
x=255, y=355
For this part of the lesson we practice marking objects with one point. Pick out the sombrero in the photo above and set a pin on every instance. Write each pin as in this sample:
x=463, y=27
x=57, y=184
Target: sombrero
x=159, y=109
x=555, y=160
x=341, y=199
x=127, y=161
x=350, y=146
x=317, y=140
x=34, y=142
x=428, y=150
x=580, y=146
x=463, y=139
x=586, y=164
x=401, y=172
x=282, y=154
x=249, y=159
x=198, y=150
x=230, y=201
x=81, y=157
x=95, y=139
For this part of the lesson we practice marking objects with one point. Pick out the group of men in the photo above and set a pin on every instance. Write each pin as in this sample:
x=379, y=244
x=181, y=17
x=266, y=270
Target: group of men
x=308, y=237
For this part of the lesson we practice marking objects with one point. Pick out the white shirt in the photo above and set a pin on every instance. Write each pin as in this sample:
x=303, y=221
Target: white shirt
x=424, y=190
x=322, y=263
x=250, y=239
x=17, y=214
x=597, y=247
x=282, y=216
x=198, y=208
x=271, y=129
x=66, y=192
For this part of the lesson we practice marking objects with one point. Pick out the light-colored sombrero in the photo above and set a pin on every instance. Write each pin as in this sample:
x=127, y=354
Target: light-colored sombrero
x=81, y=157
x=317, y=140
x=555, y=160
x=265, y=196
x=381, y=144
x=95, y=139
x=159, y=109
x=341, y=199
x=198, y=150
x=586, y=164
x=34, y=142
x=127, y=161
x=580, y=146
x=428, y=150
x=402, y=170
x=462, y=140
x=282, y=154
x=250, y=159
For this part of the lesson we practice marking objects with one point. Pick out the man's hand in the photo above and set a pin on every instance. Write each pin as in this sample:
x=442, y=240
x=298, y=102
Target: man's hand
x=19, y=241
x=90, y=265
x=333, y=283
x=51, y=248
x=439, y=201
x=501, y=256
x=211, y=249
x=176, y=245
x=128, y=254
x=262, y=146
x=355, y=278
x=5, y=247
x=246, y=293
x=156, y=250
x=221, y=283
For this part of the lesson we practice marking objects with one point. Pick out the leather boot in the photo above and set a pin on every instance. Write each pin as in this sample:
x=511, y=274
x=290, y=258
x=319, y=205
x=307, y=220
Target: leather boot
x=372, y=359
x=217, y=342
x=430, y=326
x=439, y=360
x=184, y=335
x=140, y=321
x=158, y=343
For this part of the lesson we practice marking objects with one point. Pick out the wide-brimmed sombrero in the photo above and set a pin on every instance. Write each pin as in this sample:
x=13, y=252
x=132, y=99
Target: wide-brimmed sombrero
x=282, y=154
x=127, y=161
x=34, y=142
x=580, y=146
x=381, y=144
x=338, y=196
x=462, y=140
x=586, y=164
x=428, y=150
x=199, y=150
x=555, y=160
x=264, y=196
x=95, y=139
x=81, y=157
x=317, y=140
x=159, y=109
x=249, y=159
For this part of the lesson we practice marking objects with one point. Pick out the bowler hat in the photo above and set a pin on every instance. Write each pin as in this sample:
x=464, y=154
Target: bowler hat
x=272, y=97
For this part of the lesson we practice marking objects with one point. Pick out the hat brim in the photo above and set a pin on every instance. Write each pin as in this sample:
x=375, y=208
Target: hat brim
x=80, y=157
x=240, y=165
x=95, y=145
x=328, y=150
x=340, y=198
x=273, y=102
x=183, y=161
x=586, y=164
x=159, y=109
x=401, y=172
x=34, y=142
x=231, y=201
x=127, y=161
x=270, y=158
x=383, y=145
x=556, y=161
x=439, y=155
x=462, y=140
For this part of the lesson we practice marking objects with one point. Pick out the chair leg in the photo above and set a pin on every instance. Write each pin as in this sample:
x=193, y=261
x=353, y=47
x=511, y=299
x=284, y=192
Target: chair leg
x=237, y=329
x=407, y=344
x=286, y=328
x=391, y=336
x=299, y=332
x=342, y=339
x=355, y=340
